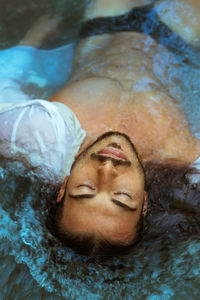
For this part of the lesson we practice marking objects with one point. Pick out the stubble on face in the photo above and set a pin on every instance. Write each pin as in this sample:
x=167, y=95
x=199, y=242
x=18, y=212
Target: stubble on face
x=77, y=217
x=114, y=144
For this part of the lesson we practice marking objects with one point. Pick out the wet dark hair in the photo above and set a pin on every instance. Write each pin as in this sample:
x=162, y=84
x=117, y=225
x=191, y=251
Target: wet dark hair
x=174, y=202
x=173, y=213
x=88, y=244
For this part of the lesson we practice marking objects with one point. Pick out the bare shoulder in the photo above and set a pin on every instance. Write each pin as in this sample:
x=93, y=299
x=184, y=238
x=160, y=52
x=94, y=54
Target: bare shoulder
x=94, y=101
x=159, y=128
x=91, y=90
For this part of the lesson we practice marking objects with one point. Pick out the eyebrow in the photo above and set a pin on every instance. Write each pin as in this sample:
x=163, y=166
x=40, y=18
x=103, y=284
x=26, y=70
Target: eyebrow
x=90, y=196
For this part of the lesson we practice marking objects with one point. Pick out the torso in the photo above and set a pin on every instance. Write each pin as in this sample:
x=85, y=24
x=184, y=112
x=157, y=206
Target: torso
x=115, y=86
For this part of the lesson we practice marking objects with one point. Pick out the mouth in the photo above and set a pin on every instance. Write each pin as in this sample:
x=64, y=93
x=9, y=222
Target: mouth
x=113, y=153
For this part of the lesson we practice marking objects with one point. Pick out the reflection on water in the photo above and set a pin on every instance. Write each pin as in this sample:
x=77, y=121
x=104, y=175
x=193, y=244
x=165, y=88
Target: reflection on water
x=35, y=266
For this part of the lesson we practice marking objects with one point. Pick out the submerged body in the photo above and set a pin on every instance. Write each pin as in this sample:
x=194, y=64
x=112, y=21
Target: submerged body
x=116, y=85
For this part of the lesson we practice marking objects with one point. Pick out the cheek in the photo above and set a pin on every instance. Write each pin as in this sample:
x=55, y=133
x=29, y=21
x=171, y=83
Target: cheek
x=118, y=228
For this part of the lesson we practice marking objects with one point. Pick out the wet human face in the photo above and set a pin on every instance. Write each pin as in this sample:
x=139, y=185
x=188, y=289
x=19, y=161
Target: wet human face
x=105, y=191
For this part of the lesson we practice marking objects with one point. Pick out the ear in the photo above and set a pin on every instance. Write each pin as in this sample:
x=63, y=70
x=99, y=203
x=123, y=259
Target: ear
x=145, y=205
x=62, y=190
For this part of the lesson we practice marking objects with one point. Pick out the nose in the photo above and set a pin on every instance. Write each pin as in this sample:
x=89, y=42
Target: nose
x=106, y=172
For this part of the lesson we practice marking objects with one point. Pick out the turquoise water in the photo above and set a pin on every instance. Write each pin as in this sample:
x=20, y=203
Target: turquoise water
x=34, y=265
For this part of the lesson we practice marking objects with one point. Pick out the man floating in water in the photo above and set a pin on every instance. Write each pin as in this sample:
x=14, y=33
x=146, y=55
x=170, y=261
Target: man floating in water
x=128, y=120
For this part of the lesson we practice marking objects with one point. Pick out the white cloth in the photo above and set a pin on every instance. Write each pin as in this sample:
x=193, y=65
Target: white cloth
x=44, y=135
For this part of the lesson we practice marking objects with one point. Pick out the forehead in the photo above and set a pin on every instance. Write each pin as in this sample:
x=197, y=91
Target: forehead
x=101, y=220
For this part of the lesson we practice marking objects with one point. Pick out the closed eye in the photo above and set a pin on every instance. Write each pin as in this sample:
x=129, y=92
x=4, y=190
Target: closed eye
x=81, y=196
x=90, y=196
x=123, y=193
x=123, y=205
x=86, y=185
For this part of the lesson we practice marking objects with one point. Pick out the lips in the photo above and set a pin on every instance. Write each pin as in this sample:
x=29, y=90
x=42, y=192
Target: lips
x=111, y=152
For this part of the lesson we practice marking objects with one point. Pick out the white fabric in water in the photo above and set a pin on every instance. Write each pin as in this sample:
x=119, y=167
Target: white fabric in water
x=44, y=135
x=10, y=92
